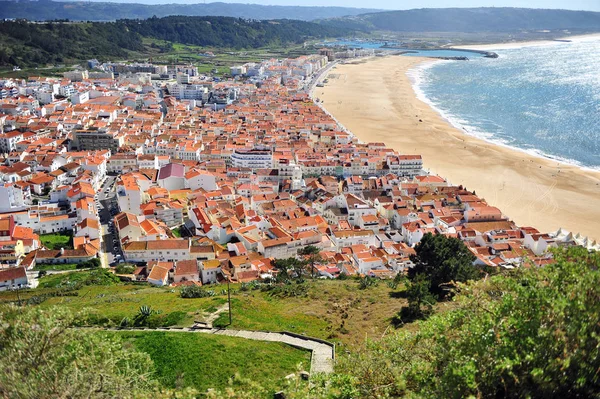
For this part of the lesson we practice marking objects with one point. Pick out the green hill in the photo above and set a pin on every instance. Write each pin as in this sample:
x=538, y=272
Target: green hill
x=25, y=43
x=107, y=11
x=471, y=20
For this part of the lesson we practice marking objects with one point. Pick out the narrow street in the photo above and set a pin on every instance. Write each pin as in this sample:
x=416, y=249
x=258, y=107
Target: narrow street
x=106, y=203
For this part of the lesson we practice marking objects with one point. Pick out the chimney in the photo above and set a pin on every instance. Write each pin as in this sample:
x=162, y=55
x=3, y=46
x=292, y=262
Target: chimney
x=62, y=251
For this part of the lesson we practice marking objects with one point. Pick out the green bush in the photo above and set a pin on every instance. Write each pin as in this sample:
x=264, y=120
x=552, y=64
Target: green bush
x=125, y=268
x=533, y=333
x=194, y=291
x=42, y=357
x=367, y=282
x=90, y=264
x=77, y=280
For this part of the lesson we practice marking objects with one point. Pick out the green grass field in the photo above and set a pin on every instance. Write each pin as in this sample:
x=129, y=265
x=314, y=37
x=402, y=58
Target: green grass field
x=335, y=310
x=58, y=240
x=206, y=361
x=57, y=267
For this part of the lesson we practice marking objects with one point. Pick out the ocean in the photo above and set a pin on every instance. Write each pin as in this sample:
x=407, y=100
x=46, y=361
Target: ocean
x=543, y=99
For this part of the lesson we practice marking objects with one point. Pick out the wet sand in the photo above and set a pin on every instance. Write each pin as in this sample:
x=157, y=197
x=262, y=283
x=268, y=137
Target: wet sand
x=375, y=100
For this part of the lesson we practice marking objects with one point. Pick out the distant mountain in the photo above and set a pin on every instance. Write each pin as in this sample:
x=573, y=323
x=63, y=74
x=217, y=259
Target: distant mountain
x=31, y=44
x=470, y=20
x=44, y=10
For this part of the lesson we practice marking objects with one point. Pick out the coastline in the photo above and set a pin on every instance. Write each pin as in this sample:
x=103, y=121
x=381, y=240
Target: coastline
x=414, y=77
x=529, y=43
x=376, y=101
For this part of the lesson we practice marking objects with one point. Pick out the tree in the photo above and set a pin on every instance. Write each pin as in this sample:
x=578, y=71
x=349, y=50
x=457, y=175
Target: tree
x=310, y=253
x=41, y=356
x=443, y=260
x=420, y=299
x=285, y=266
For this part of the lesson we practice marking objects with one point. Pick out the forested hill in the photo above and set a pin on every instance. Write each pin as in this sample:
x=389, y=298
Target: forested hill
x=106, y=11
x=471, y=20
x=24, y=43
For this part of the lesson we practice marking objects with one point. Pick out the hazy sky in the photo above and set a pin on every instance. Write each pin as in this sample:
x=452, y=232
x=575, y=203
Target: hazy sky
x=591, y=5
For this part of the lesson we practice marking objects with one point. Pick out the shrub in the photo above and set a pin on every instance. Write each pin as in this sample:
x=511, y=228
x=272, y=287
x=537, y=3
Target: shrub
x=194, y=291
x=367, y=282
x=125, y=268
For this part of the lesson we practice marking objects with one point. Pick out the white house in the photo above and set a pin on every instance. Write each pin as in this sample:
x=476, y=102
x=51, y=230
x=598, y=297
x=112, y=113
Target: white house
x=13, y=278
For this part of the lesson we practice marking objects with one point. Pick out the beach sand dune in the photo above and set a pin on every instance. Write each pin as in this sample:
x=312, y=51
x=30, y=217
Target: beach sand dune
x=376, y=101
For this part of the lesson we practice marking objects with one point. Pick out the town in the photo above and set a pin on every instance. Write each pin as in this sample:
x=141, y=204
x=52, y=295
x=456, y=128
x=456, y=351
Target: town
x=198, y=180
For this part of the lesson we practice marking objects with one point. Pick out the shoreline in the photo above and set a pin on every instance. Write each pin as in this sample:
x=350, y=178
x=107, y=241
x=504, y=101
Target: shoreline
x=527, y=43
x=531, y=190
x=428, y=63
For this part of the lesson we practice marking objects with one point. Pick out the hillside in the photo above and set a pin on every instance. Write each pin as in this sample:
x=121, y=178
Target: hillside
x=106, y=11
x=471, y=20
x=23, y=43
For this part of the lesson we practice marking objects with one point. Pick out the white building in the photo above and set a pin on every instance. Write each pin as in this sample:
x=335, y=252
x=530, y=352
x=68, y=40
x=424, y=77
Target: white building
x=252, y=159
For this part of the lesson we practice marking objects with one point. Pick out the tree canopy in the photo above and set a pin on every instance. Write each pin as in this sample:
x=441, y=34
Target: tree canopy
x=442, y=260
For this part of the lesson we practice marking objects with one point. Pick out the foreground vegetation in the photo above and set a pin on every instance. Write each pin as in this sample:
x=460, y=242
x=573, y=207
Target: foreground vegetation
x=533, y=332
x=41, y=356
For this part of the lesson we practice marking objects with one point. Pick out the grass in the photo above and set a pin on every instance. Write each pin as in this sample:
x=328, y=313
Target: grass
x=58, y=240
x=110, y=300
x=205, y=361
x=99, y=278
x=56, y=267
x=176, y=232
x=335, y=310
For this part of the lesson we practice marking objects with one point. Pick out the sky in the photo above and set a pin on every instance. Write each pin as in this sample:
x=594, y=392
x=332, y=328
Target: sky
x=589, y=5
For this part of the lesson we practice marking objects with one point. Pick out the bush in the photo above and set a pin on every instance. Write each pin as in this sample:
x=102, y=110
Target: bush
x=286, y=290
x=42, y=357
x=194, y=291
x=532, y=333
x=77, y=280
x=367, y=282
x=125, y=268
x=90, y=264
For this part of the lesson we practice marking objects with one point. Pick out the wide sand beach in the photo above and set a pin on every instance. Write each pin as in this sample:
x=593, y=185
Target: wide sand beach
x=374, y=99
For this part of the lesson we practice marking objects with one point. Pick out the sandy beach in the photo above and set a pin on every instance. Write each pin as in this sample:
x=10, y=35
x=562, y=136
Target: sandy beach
x=375, y=100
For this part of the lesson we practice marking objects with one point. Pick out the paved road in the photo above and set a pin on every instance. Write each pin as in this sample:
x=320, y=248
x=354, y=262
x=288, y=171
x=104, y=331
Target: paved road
x=107, y=200
x=317, y=78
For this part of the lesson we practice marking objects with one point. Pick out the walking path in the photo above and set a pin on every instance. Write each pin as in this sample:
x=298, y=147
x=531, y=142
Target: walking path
x=323, y=353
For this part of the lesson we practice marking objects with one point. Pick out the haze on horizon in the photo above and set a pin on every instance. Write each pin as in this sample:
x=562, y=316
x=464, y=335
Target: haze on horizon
x=587, y=5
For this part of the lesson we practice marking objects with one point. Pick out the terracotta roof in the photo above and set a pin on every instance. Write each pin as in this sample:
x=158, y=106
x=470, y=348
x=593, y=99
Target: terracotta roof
x=12, y=274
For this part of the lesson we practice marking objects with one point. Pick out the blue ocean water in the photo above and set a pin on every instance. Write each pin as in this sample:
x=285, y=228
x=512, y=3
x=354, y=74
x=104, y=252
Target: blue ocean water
x=543, y=99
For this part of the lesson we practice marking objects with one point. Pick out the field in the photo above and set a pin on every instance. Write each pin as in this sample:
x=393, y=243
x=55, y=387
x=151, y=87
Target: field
x=336, y=310
x=205, y=361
